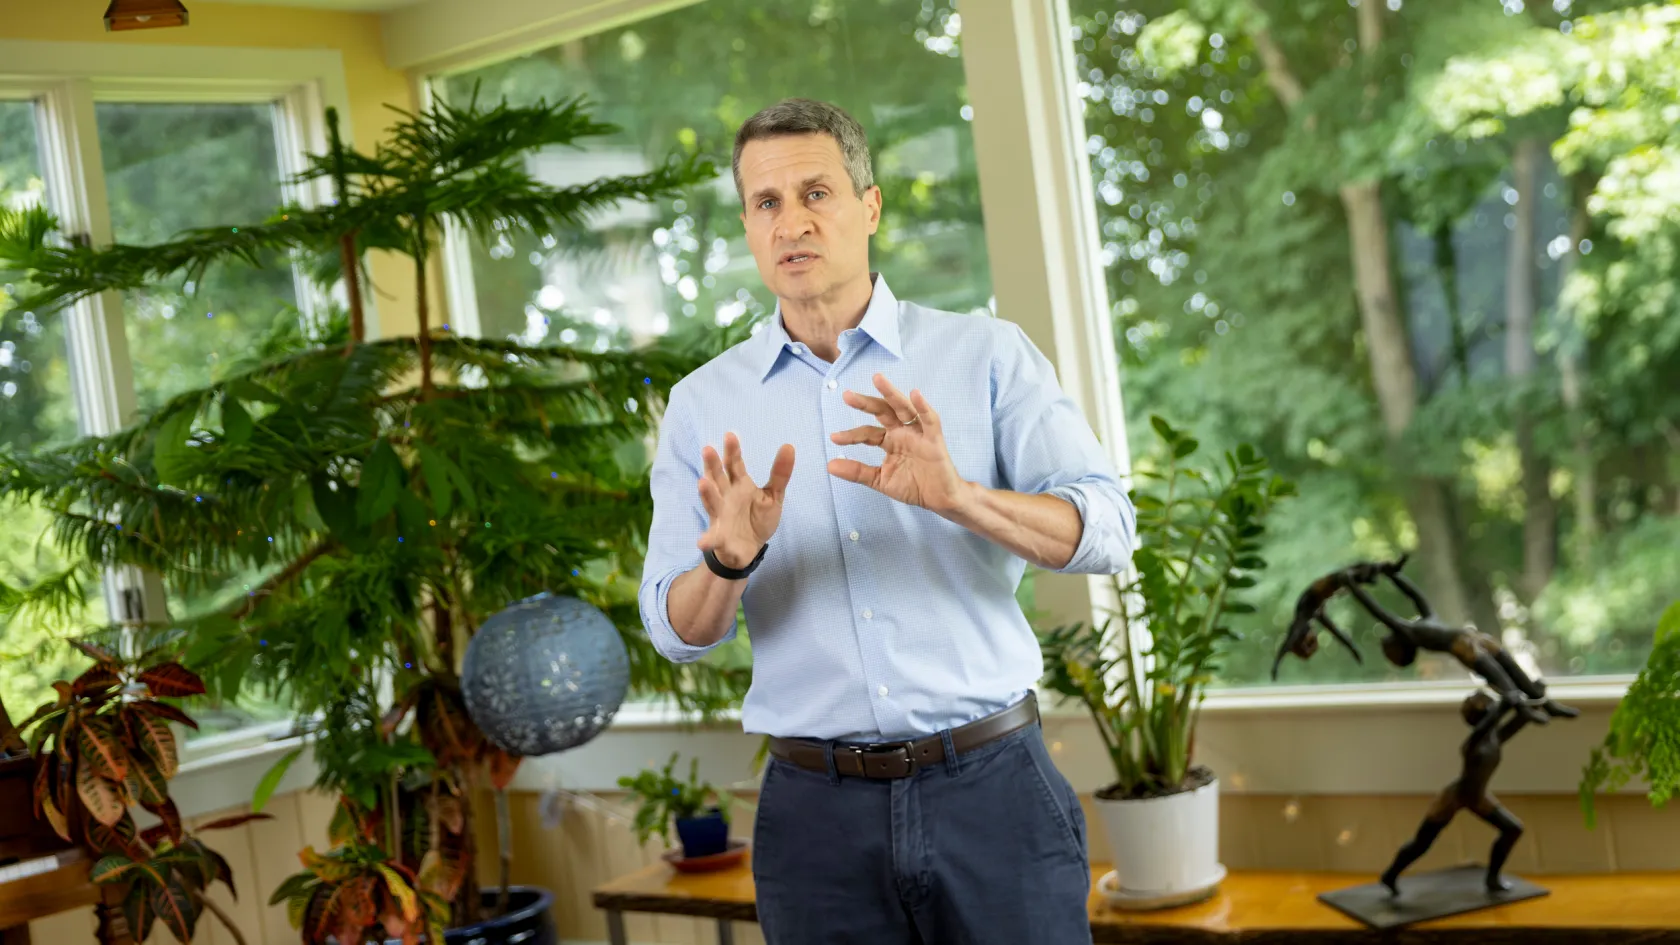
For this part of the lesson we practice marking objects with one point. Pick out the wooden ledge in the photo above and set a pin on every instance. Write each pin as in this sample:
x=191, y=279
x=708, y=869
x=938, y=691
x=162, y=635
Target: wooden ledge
x=1264, y=908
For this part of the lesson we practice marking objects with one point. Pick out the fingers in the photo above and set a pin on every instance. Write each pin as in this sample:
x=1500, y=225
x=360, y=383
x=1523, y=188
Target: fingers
x=853, y=471
x=924, y=410
x=868, y=434
x=711, y=498
x=780, y=472
x=736, y=466
x=903, y=410
x=714, y=468
x=874, y=406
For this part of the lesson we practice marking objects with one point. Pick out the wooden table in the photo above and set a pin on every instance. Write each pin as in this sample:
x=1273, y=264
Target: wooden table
x=1259, y=908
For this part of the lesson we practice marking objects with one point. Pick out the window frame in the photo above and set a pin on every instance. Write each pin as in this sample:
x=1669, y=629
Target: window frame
x=66, y=82
x=1030, y=38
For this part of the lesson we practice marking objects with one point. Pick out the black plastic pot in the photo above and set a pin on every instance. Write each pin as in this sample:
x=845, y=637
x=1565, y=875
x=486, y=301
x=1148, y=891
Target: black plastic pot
x=529, y=922
x=706, y=835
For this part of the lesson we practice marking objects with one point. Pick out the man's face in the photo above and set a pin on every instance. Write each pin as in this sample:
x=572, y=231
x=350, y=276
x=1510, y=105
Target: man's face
x=807, y=230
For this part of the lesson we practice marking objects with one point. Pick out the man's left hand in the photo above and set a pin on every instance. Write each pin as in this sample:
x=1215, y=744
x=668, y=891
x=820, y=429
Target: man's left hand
x=917, y=469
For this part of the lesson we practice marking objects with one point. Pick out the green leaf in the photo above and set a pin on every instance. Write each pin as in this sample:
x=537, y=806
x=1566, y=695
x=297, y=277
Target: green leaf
x=176, y=909
x=336, y=501
x=1163, y=429
x=435, y=467
x=295, y=885
x=296, y=907
x=1669, y=623
x=137, y=909
x=246, y=389
x=381, y=484
x=271, y=780
x=1185, y=447
x=146, y=781
x=172, y=458
x=237, y=425
x=112, y=868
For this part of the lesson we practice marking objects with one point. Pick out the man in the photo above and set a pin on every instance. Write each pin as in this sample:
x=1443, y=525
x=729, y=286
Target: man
x=909, y=796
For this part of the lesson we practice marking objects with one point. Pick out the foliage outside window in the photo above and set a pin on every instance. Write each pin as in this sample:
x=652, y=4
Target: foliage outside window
x=170, y=167
x=167, y=167
x=36, y=409
x=1421, y=255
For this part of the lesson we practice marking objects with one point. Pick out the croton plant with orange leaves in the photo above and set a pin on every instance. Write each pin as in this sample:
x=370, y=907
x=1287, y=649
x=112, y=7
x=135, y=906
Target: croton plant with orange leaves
x=104, y=747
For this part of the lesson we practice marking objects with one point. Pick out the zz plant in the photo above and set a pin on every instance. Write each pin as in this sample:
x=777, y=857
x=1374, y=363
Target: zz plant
x=1143, y=672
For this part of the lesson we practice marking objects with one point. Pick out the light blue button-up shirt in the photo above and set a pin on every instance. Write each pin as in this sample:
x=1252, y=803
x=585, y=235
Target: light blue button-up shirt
x=872, y=619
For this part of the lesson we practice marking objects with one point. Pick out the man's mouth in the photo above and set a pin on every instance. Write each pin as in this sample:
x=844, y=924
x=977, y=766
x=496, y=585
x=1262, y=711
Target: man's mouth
x=796, y=258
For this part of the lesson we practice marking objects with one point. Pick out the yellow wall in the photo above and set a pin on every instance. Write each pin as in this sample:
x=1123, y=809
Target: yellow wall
x=371, y=85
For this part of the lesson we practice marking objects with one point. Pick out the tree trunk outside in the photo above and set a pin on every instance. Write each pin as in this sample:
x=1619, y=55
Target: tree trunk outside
x=1429, y=499
x=1540, y=518
x=1571, y=373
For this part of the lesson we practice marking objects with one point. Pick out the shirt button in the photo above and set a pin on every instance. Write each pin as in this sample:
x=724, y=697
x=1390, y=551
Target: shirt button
x=832, y=383
x=854, y=535
x=868, y=614
x=882, y=690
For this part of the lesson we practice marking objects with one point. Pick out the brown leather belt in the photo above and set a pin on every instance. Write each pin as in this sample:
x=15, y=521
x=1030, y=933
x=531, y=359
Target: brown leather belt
x=903, y=759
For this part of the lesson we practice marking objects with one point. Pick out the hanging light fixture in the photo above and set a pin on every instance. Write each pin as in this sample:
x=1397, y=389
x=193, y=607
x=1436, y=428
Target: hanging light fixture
x=144, y=14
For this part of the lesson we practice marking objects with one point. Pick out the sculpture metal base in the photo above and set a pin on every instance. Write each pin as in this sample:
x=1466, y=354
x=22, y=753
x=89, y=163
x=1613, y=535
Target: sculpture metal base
x=1428, y=895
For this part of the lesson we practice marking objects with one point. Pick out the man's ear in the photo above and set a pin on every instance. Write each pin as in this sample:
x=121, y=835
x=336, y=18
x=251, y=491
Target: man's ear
x=872, y=206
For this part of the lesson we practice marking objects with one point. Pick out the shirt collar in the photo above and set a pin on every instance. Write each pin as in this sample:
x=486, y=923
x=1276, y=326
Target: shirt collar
x=880, y=323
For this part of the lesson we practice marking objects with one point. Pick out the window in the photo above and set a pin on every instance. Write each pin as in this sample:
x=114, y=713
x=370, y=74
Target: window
x=685, y=81
x=1422, y=297
x=36, y=408
x=168, y=165
x=171, y=167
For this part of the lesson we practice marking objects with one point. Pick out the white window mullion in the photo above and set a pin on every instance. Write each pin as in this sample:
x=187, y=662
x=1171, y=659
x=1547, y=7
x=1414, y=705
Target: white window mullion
x=459, y=288
x=300, y=130
x=102, y=375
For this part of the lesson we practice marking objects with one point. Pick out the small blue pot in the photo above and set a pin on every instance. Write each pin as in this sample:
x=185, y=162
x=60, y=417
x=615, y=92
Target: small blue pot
x=706, y=835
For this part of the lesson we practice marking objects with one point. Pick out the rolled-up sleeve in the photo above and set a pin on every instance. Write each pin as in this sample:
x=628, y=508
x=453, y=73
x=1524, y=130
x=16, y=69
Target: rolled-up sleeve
x=1046, y=446
x=679, y=519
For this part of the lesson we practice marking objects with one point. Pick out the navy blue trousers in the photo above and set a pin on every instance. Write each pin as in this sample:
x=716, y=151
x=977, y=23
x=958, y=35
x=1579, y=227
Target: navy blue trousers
x=986, y=849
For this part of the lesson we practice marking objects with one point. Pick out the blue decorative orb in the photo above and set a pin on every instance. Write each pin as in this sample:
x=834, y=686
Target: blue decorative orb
x=545, y=675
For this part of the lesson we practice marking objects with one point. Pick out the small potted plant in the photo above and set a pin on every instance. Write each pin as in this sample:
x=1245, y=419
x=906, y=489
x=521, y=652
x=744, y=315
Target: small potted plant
x=702, y=828
x=1143, y=672
x=1641, y=739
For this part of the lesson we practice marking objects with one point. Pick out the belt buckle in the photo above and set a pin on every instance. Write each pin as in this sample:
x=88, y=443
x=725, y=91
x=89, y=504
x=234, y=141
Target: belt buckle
x=906, y=759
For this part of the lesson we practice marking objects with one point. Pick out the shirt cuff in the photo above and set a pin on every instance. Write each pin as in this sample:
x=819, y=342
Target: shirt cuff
x=657, y=618
x=1106, y=537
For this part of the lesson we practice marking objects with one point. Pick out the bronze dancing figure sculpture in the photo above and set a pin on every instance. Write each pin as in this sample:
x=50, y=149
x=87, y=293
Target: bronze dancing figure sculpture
x=1476, y=651
x=1470, y=792
x=1494, y=720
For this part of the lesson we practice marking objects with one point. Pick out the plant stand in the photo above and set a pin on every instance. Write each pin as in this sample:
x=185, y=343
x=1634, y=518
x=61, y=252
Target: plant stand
x=1427, y=895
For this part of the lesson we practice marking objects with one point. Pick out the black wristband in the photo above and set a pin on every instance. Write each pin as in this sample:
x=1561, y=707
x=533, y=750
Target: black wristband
x=734, y=574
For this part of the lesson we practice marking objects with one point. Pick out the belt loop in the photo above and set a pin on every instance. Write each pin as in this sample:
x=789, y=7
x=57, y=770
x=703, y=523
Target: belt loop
x=953, y=765
x=828, y=757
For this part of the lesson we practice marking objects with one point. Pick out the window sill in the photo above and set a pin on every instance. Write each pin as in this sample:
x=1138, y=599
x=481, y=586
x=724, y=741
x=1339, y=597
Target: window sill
x=1400, y=739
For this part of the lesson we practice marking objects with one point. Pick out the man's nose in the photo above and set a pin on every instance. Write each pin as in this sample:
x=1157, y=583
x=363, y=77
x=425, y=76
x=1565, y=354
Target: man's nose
x=794, y=223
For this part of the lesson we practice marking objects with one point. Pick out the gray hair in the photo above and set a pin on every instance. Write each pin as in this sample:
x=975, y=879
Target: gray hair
x=803, y=116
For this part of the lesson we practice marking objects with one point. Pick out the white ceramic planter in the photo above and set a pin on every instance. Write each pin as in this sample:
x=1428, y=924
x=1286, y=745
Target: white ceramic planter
x=1165, y=849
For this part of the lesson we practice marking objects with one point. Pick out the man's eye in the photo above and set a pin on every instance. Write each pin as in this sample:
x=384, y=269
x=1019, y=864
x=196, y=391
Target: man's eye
x=819, y=193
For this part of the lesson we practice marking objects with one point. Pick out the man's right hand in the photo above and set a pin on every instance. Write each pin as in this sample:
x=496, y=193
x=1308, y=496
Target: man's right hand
x=743, y=516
